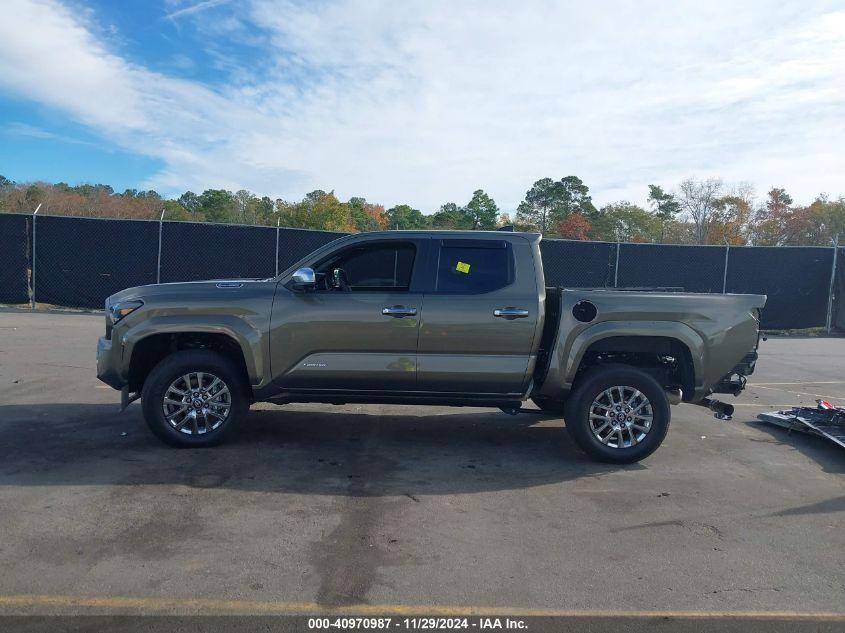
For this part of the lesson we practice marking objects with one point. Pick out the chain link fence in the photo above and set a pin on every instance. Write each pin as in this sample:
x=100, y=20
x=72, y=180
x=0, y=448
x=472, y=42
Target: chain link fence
x=693, y=268
x=78, y=262
x=576, y=264
x=196, y=251
x=796, y=281
x=14, y=258
x=837, y=290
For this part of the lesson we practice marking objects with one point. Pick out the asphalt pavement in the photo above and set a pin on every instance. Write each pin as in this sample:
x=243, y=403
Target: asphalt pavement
x=319, y=507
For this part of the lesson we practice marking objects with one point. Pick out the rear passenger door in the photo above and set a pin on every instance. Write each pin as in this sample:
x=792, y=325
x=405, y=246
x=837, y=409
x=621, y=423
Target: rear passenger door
x=480, y=318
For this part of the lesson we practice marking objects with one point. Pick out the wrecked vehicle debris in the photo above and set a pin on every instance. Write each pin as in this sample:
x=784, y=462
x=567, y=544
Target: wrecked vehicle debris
x=824, y=420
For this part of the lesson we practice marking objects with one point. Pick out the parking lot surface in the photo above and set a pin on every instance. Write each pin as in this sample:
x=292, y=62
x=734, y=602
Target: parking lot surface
x=320, y=506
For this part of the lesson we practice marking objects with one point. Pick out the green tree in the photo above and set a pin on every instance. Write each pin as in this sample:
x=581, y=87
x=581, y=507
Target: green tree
x=450, y=216
x=173, y=210
x=362, y=220
x=820, y=223
x=132, y=193
x=538, y=204
x=549, y=202
x=191, y=202
x=90, y=191
x=266, y=211
x=246, y=207
x=403, y=216
x=318, y=210
x=327, y=213
x=481, y=212
x=217, y=205
x=665, y=207
x=34, y=196
x=625, y=222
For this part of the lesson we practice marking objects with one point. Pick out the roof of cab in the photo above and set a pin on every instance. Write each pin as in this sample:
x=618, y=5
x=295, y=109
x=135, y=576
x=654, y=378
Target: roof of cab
x=446, y=234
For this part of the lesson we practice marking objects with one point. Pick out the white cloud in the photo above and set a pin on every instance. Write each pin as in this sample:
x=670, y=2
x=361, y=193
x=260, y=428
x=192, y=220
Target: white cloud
x=423, y=102
x=194, y=8
x=16, y=128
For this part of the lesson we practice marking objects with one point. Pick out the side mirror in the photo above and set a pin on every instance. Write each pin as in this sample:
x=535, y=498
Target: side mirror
x=304, y=278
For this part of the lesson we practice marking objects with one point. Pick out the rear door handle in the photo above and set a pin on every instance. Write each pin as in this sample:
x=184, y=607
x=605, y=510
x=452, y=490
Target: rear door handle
x=398, y=311
x=510, y=313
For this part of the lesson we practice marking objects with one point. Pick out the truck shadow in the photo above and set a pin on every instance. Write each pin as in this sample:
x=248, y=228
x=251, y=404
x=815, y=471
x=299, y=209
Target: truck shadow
x=340, y=452
x=821, y=450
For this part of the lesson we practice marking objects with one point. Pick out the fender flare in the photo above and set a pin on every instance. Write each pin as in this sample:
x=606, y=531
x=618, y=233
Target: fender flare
x=577, y=347
x=248, y=339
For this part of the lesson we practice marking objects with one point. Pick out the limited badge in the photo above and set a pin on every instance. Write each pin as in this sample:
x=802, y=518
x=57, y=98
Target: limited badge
x=462, y=267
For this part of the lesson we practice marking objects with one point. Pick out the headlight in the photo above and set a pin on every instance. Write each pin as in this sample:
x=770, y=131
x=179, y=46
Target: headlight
x=123, y=308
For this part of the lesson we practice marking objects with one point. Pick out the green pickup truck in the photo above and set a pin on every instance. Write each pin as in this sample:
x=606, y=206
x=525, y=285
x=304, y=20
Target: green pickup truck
x=451, y=318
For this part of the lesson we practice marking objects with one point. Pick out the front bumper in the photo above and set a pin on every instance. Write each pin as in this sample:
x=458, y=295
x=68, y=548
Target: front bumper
x=109, y=363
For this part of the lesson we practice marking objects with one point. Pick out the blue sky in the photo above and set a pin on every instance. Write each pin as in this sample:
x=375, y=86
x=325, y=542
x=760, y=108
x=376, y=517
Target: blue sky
x=423, y=102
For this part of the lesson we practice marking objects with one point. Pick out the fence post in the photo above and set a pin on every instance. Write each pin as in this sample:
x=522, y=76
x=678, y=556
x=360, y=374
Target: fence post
x=277, y=246
x=832, y=285
x=725, y=276
x=32, y=275
x=616, y=268
x=158, y=265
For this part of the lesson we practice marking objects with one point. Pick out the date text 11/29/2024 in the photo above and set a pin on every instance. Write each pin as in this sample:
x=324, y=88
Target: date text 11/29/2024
x=416, y=623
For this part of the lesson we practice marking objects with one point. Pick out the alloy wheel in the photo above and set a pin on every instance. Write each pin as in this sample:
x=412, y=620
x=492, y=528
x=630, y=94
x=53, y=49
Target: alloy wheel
x=621, y=417
x=197, y=403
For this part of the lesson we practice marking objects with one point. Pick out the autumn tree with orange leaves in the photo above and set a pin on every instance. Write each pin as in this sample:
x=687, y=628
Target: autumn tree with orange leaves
x=574, y=227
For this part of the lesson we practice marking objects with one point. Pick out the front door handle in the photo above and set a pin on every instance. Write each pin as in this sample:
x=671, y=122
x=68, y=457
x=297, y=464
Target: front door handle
x=398, y=311
x=510, y=313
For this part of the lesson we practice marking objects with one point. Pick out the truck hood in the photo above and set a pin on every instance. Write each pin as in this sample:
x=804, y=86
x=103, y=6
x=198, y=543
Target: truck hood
x=190, y=290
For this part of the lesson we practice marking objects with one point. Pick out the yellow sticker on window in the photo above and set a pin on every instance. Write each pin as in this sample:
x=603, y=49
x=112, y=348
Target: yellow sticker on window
x=462, y=267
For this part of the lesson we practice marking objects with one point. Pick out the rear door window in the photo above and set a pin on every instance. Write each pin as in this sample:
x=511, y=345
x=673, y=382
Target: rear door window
x=474, y=266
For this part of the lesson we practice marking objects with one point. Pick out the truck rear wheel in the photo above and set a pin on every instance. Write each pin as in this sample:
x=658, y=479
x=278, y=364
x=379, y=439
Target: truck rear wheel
x=194, y=398
x=617, y=414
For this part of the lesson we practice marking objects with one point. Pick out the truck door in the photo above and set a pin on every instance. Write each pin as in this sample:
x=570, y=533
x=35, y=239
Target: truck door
x=361, y=335
x=480, y=317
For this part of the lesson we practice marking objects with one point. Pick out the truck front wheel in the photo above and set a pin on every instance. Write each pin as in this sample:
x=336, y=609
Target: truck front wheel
x=194, y=398
x=617, y=414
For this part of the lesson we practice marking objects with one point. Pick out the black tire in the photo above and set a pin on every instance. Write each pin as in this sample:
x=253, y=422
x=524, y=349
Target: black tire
x=557, y=407
x=580, y=402
x=170, y=369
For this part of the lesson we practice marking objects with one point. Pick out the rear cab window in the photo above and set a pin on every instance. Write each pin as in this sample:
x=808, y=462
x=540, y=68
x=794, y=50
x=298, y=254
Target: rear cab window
x=466, y=266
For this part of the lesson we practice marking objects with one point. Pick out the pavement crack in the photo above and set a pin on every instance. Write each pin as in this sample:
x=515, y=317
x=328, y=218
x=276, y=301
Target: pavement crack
x=348, y=559
x=747, y=590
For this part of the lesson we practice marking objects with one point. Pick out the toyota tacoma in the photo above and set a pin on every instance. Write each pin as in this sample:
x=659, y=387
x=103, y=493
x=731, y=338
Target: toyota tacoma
x=427, y=317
